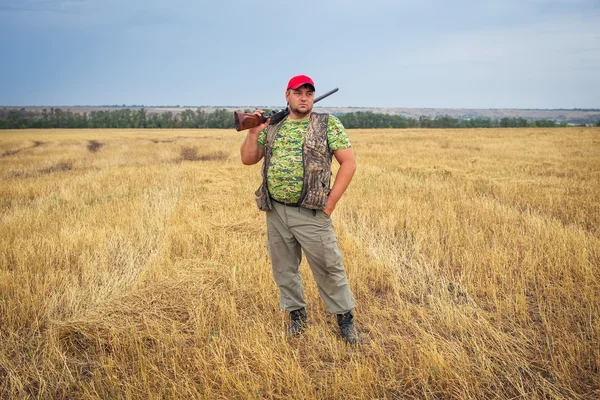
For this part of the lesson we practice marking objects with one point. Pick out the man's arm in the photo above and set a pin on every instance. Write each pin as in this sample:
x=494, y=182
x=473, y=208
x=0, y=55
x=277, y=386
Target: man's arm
x=347, y=167
x=250, y=151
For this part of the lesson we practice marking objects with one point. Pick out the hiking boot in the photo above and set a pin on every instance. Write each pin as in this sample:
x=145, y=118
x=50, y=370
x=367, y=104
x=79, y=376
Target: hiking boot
x=349, y=332
x=297, y=322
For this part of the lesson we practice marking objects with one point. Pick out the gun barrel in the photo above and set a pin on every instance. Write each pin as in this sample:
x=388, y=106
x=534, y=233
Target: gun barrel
x=246, y=121
x=326, y=94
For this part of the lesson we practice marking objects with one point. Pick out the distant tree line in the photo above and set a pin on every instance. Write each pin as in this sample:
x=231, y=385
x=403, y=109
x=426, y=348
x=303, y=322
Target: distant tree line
x=120, y=118
x=221, y=118
x=367, y=119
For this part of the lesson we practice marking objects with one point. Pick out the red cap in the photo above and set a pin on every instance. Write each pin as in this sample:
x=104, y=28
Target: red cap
x=298, y=81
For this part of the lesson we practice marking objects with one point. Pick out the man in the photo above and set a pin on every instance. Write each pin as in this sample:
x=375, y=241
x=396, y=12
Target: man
x=298, y=202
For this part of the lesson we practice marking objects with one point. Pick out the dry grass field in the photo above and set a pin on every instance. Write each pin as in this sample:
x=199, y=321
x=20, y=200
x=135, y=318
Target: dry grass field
x=133, y=265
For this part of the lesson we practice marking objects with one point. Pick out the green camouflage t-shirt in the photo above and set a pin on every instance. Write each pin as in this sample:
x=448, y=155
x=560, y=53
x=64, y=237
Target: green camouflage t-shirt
x=285, y=173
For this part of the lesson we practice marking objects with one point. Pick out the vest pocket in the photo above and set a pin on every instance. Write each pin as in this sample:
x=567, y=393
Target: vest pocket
x=262, y=198
x=317, y=192
x=316, y=200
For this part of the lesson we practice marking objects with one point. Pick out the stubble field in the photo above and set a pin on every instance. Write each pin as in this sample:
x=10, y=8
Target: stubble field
x=133, y=265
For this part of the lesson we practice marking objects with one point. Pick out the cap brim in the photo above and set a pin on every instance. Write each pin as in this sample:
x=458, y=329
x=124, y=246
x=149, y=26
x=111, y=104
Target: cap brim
x=304, y=83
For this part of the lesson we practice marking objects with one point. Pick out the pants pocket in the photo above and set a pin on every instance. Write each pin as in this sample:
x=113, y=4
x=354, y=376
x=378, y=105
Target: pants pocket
x=332, y=255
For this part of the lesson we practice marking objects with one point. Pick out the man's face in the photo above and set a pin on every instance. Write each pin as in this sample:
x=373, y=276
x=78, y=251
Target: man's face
x=301, y=100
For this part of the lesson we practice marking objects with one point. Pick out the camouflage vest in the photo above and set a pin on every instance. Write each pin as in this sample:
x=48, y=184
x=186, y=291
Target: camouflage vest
x=316, y=159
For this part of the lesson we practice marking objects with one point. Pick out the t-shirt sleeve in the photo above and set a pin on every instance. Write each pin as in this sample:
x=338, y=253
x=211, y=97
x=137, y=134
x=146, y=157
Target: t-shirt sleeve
x=262, y=138
x=337, y=139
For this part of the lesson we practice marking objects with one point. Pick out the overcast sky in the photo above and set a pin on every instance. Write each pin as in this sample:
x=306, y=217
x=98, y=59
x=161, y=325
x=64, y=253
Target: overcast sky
x=380, y=53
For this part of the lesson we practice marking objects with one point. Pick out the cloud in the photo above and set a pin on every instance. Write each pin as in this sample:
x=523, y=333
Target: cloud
x=423, y=49
x=60, y=6
x=83, y=14
x=536, y=43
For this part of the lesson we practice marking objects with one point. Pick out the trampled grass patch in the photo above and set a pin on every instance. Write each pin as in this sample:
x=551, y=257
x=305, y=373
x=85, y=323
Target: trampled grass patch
x=191, y=154
x=94, y=145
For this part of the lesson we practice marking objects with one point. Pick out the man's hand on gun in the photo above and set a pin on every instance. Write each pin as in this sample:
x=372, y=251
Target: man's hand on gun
x=257, y=129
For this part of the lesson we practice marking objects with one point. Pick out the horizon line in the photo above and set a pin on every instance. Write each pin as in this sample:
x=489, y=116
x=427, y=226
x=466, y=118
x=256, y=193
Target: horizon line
x=591, y=109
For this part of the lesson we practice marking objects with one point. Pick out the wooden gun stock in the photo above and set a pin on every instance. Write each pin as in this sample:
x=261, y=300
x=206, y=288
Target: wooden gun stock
x=245, y=121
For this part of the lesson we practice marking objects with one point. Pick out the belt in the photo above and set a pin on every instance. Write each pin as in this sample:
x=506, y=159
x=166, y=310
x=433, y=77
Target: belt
x=314, y=212
x=285, y=204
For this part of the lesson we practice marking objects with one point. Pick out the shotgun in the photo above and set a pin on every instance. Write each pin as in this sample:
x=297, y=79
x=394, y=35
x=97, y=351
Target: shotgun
x=245, y=121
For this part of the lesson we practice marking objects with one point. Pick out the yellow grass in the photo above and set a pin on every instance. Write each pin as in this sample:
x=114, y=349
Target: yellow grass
x=133, y=265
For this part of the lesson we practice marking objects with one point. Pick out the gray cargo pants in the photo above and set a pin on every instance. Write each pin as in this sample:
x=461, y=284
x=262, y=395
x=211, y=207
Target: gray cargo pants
x=293, y=229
